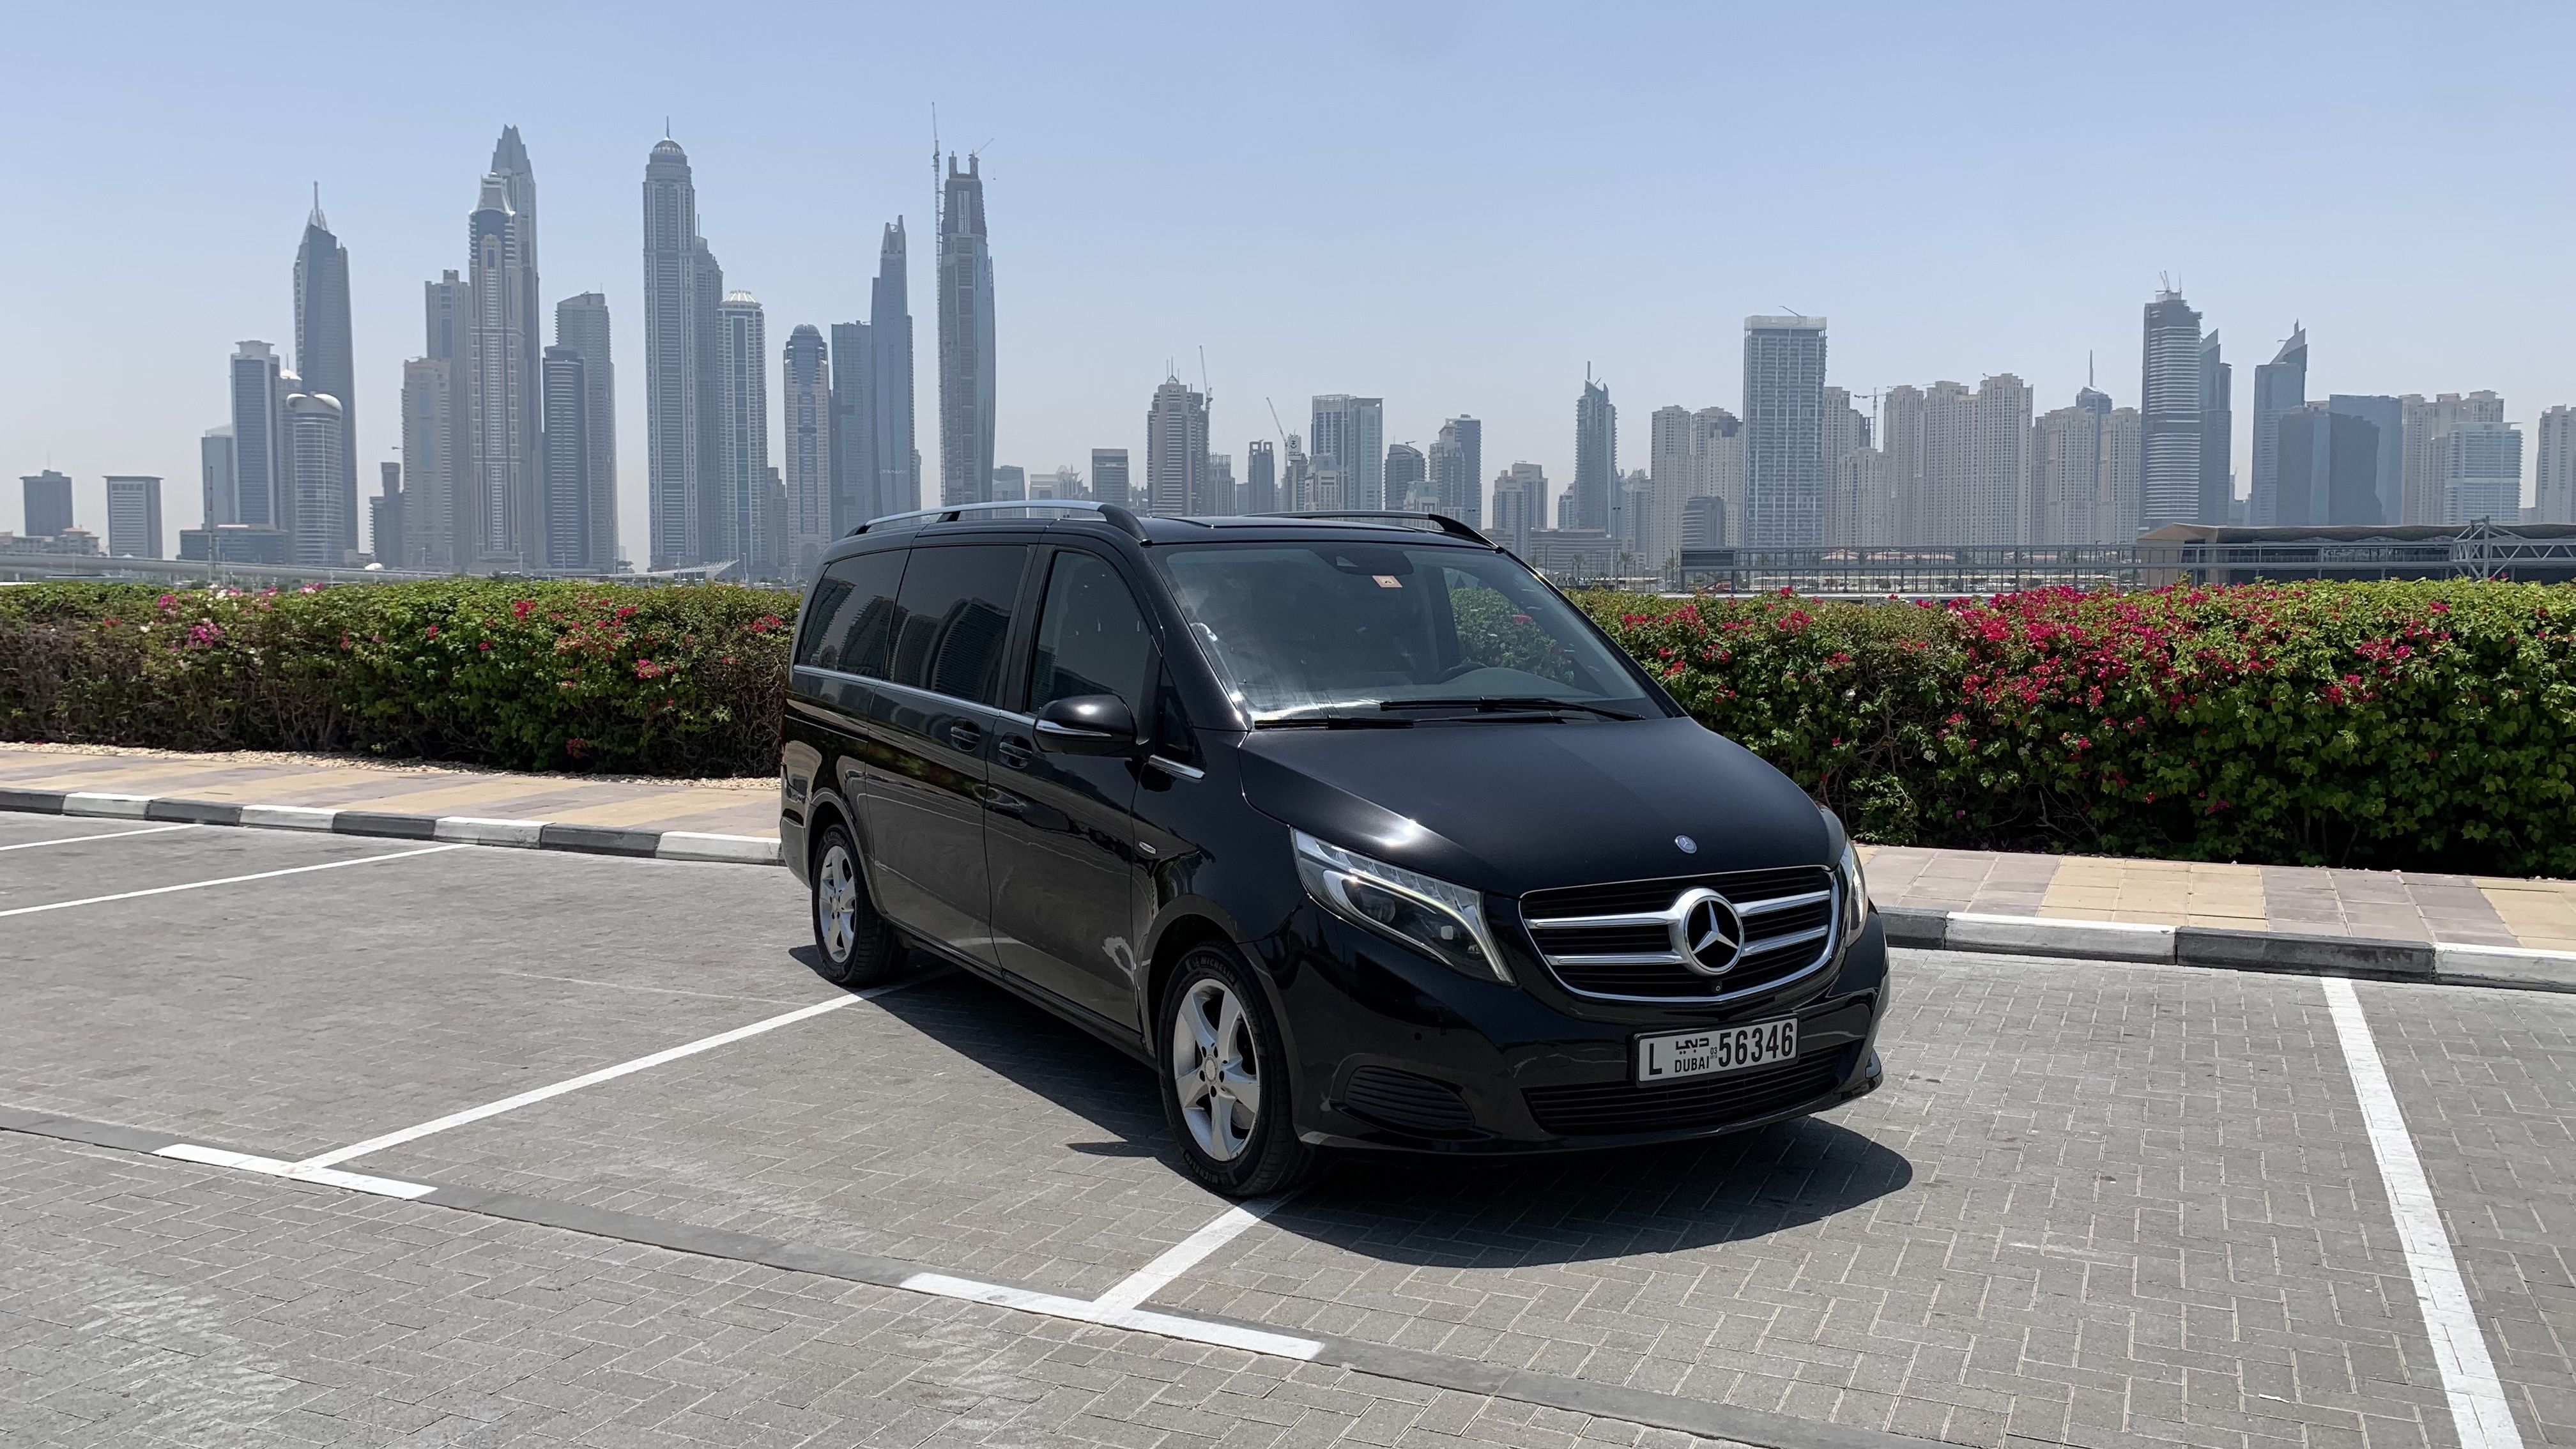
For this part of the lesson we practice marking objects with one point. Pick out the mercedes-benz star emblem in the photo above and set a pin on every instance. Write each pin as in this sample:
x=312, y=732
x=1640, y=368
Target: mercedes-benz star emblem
x=1707, y=934
x=1688, y=845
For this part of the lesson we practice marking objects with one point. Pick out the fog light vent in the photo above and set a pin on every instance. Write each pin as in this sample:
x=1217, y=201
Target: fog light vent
x=1407, y=1102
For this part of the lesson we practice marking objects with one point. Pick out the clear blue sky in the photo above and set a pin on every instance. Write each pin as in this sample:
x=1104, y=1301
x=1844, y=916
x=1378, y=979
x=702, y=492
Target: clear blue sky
x=1456, y=206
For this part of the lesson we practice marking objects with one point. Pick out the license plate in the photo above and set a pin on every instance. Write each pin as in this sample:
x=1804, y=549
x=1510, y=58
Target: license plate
x=1672, y=1055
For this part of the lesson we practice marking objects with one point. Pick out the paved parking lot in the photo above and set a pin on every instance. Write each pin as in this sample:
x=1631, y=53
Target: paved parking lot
x=2096, y=1204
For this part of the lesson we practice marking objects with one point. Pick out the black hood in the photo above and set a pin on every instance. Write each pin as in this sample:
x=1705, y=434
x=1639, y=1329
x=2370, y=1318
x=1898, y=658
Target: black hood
x=1515, y=807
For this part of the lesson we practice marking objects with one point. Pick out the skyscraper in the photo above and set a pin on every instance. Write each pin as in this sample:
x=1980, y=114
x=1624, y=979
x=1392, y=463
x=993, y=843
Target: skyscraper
x=2482, y=473
x=324, y=356
x=499, y=520
x=1999, y=465
x=806, y=467
x=1520, y=506
x=581, y=328
x=433, y=464
x=48, y=497
x=2280, y=389
x=1596, y=458
x=1671, y=467
x=519, y=185
x=1457, y=464
x=2387, y=418
x=133, y=515
x=567, y=459
x=717, y=519
x=1784, y=399
x=259, y=390
x=671, y=355
x=1717, y=465
x=1109, y=476
x=448, y=545
x=741, y=395
x=385, y=517
x=2555, y=473
x=1224, y=497
x=1176, y=479
x=1349, y=437
x=2169, y=398
x=2325, y=469
x=316, y=466
x=872, y=399
x=965, y=338
x=2425, y=423
x=222, y=501
x=2217, y=443
x=1855, y=475
x=1407, y=476
x=1260, y=477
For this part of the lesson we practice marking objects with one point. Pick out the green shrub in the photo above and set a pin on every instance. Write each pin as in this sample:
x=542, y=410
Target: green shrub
x=2380, y=724
x=529, y=676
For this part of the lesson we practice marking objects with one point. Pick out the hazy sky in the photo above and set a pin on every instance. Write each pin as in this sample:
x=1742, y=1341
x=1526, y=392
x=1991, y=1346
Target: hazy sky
x=1455, y=206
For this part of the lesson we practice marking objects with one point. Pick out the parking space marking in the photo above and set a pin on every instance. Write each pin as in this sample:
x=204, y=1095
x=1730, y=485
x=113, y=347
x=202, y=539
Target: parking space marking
x=592, y=1079
x=198, y=885
x=2479, y=1409
x=107, y=835
x=273, y=1167
x=1195, y=1330
x=1191, y=1251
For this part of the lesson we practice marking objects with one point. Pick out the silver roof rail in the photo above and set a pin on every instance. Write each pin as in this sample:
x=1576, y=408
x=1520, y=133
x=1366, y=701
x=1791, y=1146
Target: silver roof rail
x=1395, y=518
x=923, y=517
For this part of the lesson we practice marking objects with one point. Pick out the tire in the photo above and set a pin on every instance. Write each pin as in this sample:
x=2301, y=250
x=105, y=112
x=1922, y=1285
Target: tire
x=858, y=946
x=1216, y=1039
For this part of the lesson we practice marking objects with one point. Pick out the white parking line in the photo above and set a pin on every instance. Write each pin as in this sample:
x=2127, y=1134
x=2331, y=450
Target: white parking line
x=592, y=1079
x=1226, y=1335
x=1191, y=1251
x=107, y=835
x=272, y=1167
x=198, y=885
x=2479, y=1409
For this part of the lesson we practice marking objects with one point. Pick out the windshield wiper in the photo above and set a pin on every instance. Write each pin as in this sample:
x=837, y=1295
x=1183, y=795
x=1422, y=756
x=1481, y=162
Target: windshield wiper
x=1333, y=722
x=1508, y=703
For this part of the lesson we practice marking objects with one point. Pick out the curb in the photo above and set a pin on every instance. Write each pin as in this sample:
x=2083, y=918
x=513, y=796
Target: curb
x=2218, y=949
x=2209, y=947
x=457, y=829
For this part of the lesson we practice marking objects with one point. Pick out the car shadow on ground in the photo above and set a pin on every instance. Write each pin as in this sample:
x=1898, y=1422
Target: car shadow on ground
x=1450, y=1211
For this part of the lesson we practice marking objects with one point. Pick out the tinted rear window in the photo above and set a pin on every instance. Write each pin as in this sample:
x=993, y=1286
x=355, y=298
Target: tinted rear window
x=953, y=617
x=851, y=615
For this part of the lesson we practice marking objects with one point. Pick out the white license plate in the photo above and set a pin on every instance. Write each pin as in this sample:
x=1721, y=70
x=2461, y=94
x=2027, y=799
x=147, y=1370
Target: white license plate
x=1669, y=1056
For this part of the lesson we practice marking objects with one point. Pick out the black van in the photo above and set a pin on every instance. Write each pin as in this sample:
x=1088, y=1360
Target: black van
x=1350, y=826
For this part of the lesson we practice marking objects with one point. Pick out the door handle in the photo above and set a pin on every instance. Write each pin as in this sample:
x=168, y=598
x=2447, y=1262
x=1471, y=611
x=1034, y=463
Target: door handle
x=965, y=736
x=1015, y=752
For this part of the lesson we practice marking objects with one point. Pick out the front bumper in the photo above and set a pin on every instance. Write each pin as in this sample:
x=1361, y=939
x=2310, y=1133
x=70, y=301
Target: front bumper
x=1397, y=1052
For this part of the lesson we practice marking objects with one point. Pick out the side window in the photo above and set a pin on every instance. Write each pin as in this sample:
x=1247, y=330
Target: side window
x=1091, y=637
x=952, y=617
x=850, y=615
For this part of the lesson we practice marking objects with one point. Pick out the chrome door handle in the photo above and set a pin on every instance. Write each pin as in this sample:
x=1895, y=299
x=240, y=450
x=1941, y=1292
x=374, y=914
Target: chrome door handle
x=1014, y=752
x=965, y=736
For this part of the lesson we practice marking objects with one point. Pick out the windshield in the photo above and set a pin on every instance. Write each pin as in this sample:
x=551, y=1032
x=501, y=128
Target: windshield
x=1305, y=628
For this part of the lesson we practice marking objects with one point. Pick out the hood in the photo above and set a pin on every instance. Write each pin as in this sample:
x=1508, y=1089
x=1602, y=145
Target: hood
x=1512, y=808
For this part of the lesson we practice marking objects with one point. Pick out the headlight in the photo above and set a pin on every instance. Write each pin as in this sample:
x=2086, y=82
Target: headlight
x=1443, y=921
x=1855, y=891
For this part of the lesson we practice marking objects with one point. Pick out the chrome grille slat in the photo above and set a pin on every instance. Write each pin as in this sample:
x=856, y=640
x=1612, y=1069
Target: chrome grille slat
x=1799, y=906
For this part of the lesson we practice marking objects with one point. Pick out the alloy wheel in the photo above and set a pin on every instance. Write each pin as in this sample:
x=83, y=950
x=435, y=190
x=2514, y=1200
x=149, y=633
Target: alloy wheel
x=1216, y=1068
x=836, y=902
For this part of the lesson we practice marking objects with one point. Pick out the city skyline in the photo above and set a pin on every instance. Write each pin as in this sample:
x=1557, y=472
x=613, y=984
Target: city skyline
x=2423, y=302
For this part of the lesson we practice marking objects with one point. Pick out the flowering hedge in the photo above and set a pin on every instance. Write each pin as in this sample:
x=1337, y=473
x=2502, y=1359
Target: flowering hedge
x=530, y=676
x=2425, y=725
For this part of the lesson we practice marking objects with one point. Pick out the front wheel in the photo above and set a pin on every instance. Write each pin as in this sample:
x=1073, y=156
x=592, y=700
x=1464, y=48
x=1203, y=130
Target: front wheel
x=1225, y=1079
x=859, y=947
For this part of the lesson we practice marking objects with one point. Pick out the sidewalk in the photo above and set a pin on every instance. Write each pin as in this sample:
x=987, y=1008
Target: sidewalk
x=2400, y=906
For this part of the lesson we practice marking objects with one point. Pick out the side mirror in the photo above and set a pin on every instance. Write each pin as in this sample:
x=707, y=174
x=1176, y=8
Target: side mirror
x=1087, y=724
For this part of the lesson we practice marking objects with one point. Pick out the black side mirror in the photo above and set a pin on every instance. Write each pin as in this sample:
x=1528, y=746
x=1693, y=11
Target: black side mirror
x=1088, y=724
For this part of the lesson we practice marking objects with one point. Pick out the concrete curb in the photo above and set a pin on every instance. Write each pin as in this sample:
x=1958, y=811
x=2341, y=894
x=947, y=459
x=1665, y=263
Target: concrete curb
x=457, y=829
x=1912, y=927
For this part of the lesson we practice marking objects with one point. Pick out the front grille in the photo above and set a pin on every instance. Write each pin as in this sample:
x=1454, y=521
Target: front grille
x=1600, y=940
x=1407, y=1102
x=1605, y=1109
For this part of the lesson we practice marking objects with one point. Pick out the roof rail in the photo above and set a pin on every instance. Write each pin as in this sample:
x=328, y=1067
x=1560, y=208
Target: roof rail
x=1440, y=521
x=924, y=517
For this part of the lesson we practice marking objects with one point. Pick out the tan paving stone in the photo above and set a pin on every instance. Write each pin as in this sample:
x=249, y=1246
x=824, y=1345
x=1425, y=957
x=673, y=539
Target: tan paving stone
x=2540, y=913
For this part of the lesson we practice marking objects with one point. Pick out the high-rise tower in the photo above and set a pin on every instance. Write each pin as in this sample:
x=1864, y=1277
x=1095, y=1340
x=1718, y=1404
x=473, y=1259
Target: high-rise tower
x=965, y=338
x=872, y=398
x=581, y=328
x=1784, y=404
x=2169, y=401
x=2280, y=389
x=567, y=459
x=1458, y=470
x=1596, y=457
x=741, y=394
x=259, y=436
x=2217, y=441
x=1176, y=451
x=519, y=184
x=499, y=517
x=807, y=467
x=323, y=354
x=1349, y=436
x=671, y=352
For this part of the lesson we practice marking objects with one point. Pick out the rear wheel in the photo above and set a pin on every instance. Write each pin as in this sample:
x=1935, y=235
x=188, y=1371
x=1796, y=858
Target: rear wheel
x=1225, y=1079
x=858, y=947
